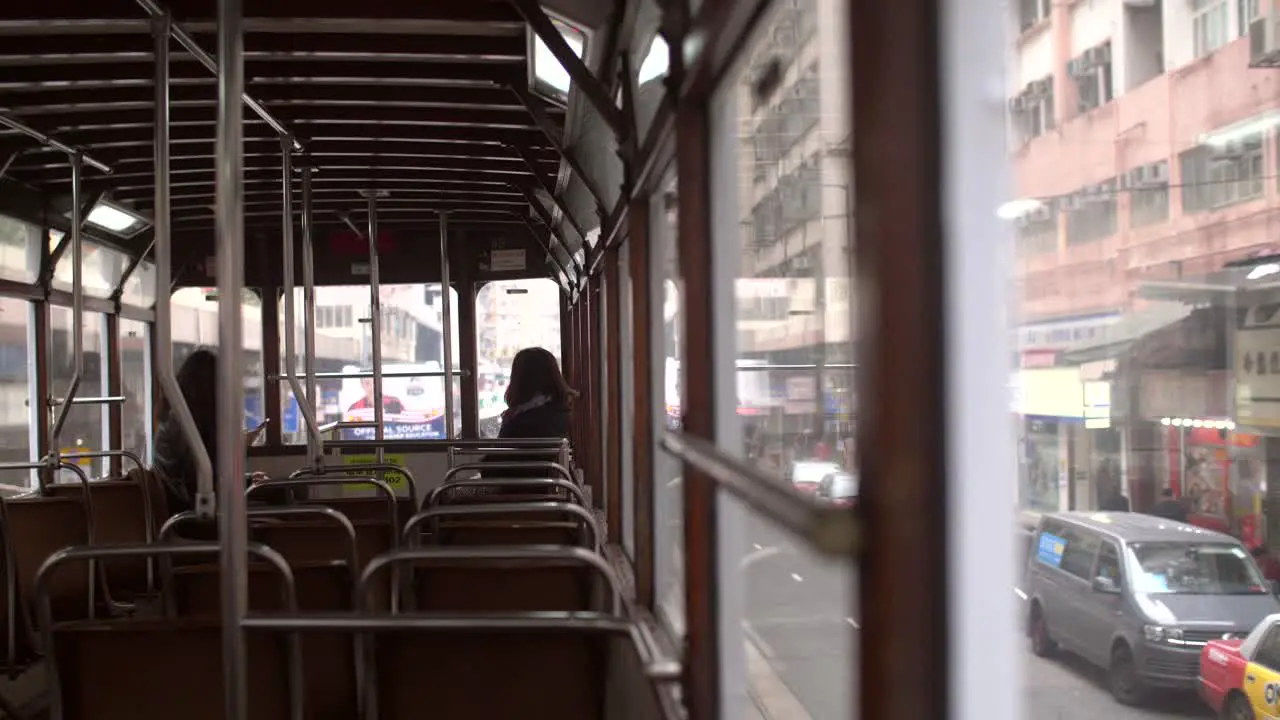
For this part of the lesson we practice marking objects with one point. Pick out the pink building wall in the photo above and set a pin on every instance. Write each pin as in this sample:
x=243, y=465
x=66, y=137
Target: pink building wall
x=1155, y=121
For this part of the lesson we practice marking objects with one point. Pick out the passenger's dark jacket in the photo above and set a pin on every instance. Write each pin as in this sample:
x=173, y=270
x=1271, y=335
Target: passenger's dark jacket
x=177, y=464
x=544, y=421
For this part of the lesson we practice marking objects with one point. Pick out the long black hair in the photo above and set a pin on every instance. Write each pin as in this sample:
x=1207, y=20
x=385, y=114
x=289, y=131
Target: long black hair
x=198, y=381
x=534, y=372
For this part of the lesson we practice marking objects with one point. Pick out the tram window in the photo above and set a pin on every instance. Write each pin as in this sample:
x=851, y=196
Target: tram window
x=650, y=60
x=668, y=530
x=19, y=250
x=195, y=324
x=412, y=341
x=511, y=315
x=140, y=288
x=17, y=377
x=100, y=269
x=792, y=348
x=135, y=378
x=549, y=76
x=626, y=328
x=86, y=426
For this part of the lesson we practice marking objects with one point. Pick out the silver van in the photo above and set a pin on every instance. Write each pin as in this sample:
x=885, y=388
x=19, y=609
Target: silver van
x=1138, y=595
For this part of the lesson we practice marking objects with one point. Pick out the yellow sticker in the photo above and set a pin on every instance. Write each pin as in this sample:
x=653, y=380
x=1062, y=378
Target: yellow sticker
x=397, y=480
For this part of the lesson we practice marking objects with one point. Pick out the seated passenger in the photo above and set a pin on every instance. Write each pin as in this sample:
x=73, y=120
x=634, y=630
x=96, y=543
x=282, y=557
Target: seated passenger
x=538, y=406
x=175, y=462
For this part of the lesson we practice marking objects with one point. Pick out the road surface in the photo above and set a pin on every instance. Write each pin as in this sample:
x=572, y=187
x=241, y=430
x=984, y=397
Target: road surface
x=800, y=616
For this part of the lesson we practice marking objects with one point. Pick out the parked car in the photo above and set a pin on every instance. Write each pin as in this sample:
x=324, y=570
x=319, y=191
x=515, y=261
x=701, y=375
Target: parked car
x=1139, y=595
x=807, y=475
x=1240, y=676
x=840, y=489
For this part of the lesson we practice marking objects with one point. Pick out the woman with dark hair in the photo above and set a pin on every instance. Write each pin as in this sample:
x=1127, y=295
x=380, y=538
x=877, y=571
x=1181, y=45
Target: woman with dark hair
x=175, y=460
x=538, y=398
x=538, y=406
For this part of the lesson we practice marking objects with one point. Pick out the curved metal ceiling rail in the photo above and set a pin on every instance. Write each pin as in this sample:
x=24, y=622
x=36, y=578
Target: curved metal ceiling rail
x=154, y=10
x=53, y=143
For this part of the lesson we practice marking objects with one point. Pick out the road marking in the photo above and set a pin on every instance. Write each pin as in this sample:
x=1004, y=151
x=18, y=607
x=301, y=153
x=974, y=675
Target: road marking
x=796, y=577
x=759, y=554
x=853, y=623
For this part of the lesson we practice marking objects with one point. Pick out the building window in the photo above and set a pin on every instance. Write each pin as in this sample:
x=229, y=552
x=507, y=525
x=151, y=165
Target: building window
x=1249, y=13
x=1091, y=213
x=1091, y=72
x=1208, y=26
x=1148, y=194
x=1216, y=176
x=1031, y=12
x=1032, y=109
x=1037, y=231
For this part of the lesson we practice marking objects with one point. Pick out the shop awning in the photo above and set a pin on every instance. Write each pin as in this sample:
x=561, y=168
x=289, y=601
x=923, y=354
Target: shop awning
x=1121, y=335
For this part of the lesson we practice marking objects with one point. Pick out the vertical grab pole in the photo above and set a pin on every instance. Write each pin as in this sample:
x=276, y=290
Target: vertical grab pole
x=291, y=367
x=315, y=442
x=205, y=503
x=77, y=314
x=232, y=529
x=446, y=322
x=375, y=322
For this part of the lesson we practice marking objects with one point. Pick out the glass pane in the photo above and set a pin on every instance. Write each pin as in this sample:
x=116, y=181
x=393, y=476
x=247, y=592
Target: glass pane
x=626, y=329
x=788, y=183
x=412, y=342
x=18, y=419
x=511, y=315
x=140, y=288
x=650, y=60
x=195, y=324
x=668, y=526
x=19, y=250
x=550, y=77
x=86, y=426
x=135, y=375
x=101, y=269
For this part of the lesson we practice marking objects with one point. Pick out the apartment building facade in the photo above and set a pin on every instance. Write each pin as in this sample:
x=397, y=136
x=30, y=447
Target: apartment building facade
x=1143, y=135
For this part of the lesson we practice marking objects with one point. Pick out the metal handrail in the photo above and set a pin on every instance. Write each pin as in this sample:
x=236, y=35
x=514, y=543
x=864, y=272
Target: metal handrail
x=363, y=467
x=523, y=508
x=504, y=465
x=205, y=502
x=829, y=530
x=126, y=454
x=501, y=556
x=90, y=553
x=77, y=310
x=433, y=497
x=315, y=442
x=207, y=60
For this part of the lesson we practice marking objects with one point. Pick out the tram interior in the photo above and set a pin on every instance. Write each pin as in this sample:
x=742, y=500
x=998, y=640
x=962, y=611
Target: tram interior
x=182, y=173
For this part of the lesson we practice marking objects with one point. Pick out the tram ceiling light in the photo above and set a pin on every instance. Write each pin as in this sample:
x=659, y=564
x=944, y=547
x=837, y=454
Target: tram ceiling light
x=115, y=219
x=1261, y=271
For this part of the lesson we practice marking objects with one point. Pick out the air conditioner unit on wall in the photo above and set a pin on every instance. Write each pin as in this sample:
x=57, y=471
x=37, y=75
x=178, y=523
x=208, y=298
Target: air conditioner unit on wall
x=1264, y=37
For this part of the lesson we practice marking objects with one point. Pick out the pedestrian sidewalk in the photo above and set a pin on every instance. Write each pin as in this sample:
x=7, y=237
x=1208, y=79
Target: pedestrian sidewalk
x=771, y=699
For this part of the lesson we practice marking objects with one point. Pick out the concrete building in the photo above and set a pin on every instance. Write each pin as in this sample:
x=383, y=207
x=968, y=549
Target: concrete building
x=1143, y=139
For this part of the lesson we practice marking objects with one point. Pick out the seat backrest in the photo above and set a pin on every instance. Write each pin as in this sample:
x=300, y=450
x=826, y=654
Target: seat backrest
x=359, y=509
x=119, y=516
x=322, y=587
x=159, y=669
x=463, y=675
x=528, y=530
x=329, y=657
x=39, y=527
x=504, y=589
